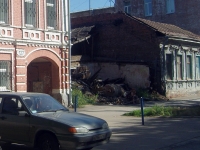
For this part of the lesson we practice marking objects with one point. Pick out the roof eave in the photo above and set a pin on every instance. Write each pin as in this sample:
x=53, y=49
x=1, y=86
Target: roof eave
x=184, y=39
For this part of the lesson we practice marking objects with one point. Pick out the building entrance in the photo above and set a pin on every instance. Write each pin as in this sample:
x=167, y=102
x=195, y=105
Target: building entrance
x=39, y=76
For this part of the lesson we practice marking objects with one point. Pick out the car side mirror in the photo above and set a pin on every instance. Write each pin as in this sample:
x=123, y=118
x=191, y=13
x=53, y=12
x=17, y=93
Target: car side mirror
x=23, y=113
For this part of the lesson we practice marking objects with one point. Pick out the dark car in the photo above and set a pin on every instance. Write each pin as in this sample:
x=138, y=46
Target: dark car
x=38, y=120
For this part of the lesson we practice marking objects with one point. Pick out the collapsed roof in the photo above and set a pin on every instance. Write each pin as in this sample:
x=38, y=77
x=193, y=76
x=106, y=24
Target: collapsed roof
x=81, y=34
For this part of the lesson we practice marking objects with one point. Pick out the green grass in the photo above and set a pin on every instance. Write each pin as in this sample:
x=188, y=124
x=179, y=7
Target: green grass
x=166, y=111
x=82, y=98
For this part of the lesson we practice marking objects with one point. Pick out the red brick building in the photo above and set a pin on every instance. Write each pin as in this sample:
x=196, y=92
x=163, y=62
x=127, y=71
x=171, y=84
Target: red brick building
x=34, y=47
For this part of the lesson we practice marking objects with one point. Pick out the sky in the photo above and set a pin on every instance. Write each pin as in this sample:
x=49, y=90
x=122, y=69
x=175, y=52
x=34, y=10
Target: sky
x=81, y=5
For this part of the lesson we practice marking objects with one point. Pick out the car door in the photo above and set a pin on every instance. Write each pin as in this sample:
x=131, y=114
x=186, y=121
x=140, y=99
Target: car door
x=14, y=124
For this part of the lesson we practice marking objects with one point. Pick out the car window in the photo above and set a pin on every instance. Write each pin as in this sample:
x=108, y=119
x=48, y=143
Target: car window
x=11, y=105
x=29, y=102
x=42, y=103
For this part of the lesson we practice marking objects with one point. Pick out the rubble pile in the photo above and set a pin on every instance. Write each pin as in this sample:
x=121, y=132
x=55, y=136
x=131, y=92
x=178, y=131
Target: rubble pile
x=109, y=91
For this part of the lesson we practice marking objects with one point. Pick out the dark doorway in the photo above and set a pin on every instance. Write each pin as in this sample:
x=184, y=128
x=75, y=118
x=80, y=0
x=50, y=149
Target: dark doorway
x=39, y=76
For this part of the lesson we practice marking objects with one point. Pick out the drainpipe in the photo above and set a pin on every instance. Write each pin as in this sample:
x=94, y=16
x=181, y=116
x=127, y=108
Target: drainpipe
x=66, y=29
x=69, y=53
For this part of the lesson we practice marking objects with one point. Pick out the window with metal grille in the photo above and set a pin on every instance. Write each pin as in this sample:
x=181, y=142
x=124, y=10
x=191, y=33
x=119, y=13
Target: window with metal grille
x=170, y=6
x=5, y=75
x=51, y=14
x=148, y=7
x=169, y=66
x=127, y=7
x=4, y=11
x=30, y=12
x=189, y=67
x=198, y=67
x=179, y=67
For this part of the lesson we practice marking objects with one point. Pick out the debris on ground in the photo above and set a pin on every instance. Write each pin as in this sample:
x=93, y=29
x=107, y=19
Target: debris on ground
x=109, y=91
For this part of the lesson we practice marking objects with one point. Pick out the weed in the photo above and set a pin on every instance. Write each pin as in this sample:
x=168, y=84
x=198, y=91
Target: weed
x=166, y=111
x=82, y=99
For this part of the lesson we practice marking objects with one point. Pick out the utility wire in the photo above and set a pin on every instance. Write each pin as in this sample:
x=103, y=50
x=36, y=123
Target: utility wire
x=80, y=5
x=105, y=3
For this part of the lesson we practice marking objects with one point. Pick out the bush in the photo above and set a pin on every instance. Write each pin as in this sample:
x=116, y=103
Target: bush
x=82, y=98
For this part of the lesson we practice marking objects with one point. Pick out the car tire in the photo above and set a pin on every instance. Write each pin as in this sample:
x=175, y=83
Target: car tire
x=48, y=142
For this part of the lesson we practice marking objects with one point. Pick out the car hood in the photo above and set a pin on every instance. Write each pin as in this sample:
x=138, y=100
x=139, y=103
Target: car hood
x=74, y=119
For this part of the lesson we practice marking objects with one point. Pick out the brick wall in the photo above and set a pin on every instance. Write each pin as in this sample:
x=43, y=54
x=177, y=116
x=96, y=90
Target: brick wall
x=26, y=46
x=121, y=39
x=186, y=13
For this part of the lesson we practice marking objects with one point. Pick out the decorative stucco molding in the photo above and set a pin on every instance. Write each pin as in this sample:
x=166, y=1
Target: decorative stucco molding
x=21, y=52
x=31, y=34
x=6, y=32
x=53, y=36
x=169, y=86
x=180, y=85
x=189, y=84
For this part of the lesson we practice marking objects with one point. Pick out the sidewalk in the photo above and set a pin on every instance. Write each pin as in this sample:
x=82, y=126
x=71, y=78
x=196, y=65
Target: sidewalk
x=156, y=133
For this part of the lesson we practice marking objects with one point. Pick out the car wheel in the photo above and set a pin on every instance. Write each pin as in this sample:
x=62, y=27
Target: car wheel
x=48, y=142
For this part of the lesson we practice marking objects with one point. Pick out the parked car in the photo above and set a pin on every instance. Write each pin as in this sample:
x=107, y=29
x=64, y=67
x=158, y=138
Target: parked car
x=38, y=120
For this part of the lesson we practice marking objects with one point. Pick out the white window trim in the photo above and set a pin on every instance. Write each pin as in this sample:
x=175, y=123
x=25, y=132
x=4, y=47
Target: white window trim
x=191, y=67
x=29, y=1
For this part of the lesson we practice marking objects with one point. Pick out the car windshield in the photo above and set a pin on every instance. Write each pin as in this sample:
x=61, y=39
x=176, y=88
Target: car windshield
x=42, y=103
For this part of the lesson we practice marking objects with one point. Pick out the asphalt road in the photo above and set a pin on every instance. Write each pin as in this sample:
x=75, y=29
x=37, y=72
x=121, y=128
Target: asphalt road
x=156, y=133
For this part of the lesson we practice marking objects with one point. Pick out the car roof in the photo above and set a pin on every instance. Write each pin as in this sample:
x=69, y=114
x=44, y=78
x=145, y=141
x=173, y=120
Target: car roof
x=21, y=93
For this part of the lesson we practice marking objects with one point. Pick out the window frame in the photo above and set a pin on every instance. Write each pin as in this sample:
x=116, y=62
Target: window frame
x=148, y=8
x=189, y=66
x=26, y=14
x=198, y=67
x=49, y=20
x=5, y=75
x=6, y=19
x=179, y=67
x=170, y=6
x=127, y=7
x=169, y=66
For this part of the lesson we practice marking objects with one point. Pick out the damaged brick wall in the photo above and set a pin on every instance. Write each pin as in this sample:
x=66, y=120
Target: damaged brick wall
x=136, y=76
x=121, y=39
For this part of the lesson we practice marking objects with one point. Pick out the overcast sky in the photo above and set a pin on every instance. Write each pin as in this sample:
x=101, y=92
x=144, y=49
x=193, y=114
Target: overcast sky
x=80, y=5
